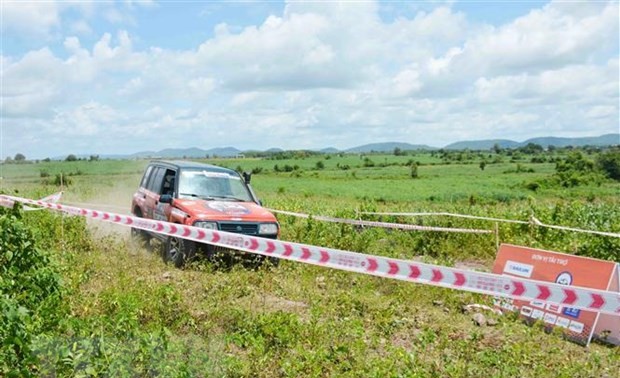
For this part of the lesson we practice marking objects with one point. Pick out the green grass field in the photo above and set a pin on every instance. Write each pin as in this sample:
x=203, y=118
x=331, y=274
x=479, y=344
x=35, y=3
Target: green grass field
x=122, y=312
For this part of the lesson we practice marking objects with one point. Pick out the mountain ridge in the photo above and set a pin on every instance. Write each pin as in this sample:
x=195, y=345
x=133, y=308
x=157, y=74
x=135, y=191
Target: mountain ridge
x=484, y=144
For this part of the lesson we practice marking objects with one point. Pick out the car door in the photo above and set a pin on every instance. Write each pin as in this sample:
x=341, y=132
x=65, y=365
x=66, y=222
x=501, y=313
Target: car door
x=139, y=198
x=153, y=191
x=162, y=210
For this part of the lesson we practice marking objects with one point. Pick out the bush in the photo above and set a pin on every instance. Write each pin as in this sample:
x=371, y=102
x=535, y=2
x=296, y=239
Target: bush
x=61, y=180
x=533, y=186
x=609, y=164
x=414, y=170
x=30, y=296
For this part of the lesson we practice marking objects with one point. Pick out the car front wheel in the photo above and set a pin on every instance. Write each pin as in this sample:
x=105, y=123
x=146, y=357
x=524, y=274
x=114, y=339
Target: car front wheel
x=179, y=251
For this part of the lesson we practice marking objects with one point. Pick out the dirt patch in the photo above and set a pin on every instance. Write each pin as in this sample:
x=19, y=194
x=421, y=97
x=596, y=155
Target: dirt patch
x=101, y=230
x=271, y=303
x=478, y=266
x=115, y=200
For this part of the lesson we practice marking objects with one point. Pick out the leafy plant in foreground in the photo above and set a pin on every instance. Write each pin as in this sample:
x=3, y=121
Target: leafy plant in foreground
x=30, y=295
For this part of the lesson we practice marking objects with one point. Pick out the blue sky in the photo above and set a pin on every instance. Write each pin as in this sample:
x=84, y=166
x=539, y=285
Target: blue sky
x=111, y=77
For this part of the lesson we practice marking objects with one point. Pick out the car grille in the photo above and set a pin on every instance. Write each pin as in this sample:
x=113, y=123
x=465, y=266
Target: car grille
x=240, y=228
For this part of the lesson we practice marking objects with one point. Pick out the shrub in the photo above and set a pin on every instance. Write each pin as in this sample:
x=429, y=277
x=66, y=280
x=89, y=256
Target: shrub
x=414, y=170
x=533, y=186
x=61, y=179
x=609, y=164
x=30, y=296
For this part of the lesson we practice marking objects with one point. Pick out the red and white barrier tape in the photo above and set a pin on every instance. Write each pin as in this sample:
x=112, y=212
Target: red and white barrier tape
x=399, y=226
x=54, y=198
x=484, y=283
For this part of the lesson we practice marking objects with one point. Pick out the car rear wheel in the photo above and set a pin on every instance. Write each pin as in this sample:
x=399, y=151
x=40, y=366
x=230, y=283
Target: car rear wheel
x=179, y=251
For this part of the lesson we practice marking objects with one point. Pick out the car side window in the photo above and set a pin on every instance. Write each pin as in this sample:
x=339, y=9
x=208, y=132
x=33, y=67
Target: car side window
x=169, y=182
x=146, y=176
x=156, y=181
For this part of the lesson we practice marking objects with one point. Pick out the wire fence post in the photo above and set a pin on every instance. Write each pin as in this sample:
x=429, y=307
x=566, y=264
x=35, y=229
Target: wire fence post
x=496, y=236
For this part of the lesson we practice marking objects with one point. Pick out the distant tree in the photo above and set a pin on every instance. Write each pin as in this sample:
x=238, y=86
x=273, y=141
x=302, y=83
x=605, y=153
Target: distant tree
x=47, y=160
x=496, y=148
x=19, y=157
x=414, y=170
x=397, y=151
x=532, y=148
x=71, y=157
x=575, y=161
x=93, y=158
x=8, y=160
x=320, y=165
x=609, y=164
x=483, y=164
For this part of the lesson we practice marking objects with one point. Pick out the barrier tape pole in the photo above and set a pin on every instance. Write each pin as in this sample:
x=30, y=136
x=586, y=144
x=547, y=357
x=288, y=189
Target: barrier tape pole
x=399, y=226
x=477, y=282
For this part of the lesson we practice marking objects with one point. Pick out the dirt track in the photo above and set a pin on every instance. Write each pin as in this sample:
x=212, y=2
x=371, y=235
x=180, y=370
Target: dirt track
x=117, y=200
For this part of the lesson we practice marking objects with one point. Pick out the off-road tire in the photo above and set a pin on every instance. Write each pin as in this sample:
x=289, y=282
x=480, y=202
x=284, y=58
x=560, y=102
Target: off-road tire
x=179, y=251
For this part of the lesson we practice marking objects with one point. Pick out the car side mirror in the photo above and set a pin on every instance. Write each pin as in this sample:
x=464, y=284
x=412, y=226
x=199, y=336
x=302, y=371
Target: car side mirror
x=247, y=176
x=165, y=198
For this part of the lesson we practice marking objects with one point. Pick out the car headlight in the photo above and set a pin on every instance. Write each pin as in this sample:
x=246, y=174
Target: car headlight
x=267, y=228
x=207, y=225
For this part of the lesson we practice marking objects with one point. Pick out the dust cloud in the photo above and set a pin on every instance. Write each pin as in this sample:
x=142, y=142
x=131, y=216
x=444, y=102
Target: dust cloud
x=116, y=199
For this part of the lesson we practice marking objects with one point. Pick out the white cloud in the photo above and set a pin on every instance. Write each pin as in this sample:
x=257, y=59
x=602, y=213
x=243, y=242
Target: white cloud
x=81, y=27
x=32, y=84
x=244, y=98
x=406, y=83
x=288, y=52
x=141, y=3
x=36, y=19
x=602, y=111
x=581, y=83
x=89, y=119
x=543, y=39
x=323, y=74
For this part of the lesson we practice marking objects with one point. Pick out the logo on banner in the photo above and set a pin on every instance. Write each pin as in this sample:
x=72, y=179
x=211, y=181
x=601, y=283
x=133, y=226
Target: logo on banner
x=564, y=278
x=518, y=269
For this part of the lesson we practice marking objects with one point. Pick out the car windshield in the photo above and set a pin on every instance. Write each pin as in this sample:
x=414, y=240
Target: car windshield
x=212, y=185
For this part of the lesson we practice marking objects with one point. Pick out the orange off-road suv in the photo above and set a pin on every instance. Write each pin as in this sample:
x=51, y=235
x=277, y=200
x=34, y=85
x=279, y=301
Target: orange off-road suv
x=200, y=195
